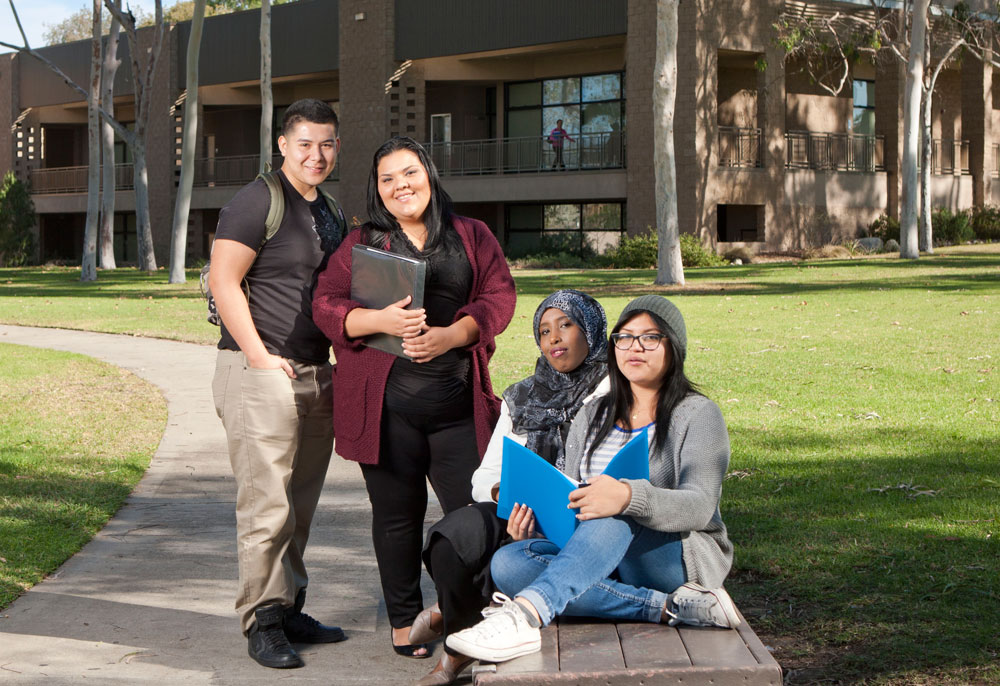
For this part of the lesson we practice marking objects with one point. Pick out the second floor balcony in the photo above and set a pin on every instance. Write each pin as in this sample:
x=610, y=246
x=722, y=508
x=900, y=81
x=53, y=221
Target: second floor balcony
x=834, y=151
x=588, y=151
x=74, y=179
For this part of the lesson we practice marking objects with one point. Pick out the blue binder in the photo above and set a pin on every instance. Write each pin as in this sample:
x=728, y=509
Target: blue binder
x=526, y=478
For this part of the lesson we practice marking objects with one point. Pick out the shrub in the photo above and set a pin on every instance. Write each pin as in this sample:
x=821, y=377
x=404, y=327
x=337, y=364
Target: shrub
x=694, y=254
x=828, y=252
x=885, y=227
x=985, y=222
x=17, y=217
x=632, y=252
x=551, y=245
x=951, y=228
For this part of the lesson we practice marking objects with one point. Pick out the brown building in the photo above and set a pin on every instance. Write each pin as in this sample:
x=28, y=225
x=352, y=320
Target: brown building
x=764, y=158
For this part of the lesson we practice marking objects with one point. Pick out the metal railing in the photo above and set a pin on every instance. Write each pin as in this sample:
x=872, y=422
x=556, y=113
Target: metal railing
x=74, y=179
x=739, y=147
x=834, y=151
x=604, y=150
x=949, y=157
x=231, y=170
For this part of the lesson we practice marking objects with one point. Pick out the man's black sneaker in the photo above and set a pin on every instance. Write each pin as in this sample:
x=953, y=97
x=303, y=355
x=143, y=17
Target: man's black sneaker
x=301, y=628
x=267, y=643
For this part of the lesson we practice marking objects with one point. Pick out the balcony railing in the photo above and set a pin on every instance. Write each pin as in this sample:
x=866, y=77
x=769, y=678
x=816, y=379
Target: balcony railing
x=231, y=170
x=604, y=150
x=74, y=179
x=739, y=147
x=949, y=157
x=834, y=151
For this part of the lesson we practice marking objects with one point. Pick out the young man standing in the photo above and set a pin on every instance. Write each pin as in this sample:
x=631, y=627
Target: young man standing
x=272, y=385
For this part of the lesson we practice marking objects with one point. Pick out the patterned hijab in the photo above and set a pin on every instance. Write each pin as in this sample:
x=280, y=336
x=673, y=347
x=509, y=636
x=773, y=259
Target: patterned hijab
x=542, y=405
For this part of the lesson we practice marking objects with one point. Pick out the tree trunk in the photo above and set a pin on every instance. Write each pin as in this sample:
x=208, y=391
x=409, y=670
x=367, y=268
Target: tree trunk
x=106, y=242
x=142, y=79
x=926, y=241
x=182, y=208
x=145, y=256
x=88, y=265
x=669, y=269
x=266, y=97
x=911, y=127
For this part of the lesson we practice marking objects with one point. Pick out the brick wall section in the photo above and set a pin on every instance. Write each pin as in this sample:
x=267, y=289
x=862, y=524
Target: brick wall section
x=366, y=63
x=8, y=109
x=889, y=81
x=640, y=58
x=160, y=149
x=977, y=125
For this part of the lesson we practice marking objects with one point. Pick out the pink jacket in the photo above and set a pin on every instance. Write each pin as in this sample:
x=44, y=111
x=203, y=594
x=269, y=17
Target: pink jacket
x=361, y=372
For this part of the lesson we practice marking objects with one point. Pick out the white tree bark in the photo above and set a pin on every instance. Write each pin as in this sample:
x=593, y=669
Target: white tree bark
x=266, y=97
x=182, y=207
x=88, y=264
x=669, y=269
x=142, y=77
x=911, y=128
x=106, y=240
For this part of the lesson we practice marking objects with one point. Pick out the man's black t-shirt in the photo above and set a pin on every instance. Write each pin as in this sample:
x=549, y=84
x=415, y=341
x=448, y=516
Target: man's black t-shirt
x=283, y=277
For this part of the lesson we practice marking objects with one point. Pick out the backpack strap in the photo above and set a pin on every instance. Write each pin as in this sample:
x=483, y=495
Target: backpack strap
x=336, y=211
x=276, y=211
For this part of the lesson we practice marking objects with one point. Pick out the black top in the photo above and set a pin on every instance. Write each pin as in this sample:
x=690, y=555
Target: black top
x=283, y=277
x=442, y=383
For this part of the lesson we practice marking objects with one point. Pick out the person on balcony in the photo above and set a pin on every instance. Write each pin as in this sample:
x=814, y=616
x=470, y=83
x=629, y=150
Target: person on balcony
x=272, y=384
x=556, y=138
x=428, y=415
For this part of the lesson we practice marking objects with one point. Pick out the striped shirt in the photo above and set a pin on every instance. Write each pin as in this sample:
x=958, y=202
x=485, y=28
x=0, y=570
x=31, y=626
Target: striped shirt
x=609, y=447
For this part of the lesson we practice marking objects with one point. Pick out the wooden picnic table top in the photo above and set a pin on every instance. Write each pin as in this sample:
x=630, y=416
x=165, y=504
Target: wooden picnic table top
x=594, y=652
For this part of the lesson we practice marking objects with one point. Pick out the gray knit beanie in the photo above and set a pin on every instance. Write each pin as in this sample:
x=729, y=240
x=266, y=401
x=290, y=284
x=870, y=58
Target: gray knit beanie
x=665, y=310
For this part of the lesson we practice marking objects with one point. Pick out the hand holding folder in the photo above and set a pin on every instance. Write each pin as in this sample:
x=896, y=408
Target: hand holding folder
x=379, y=279
x=526, y=478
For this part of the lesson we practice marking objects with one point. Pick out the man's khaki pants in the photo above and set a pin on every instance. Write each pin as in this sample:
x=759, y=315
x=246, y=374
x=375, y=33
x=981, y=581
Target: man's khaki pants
x=280, y=435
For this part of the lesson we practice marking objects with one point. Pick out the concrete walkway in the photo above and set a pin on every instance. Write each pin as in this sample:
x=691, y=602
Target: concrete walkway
x=150, y=598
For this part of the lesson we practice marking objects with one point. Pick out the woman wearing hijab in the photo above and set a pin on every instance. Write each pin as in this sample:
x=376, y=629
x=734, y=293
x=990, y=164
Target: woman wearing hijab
x=570, y=330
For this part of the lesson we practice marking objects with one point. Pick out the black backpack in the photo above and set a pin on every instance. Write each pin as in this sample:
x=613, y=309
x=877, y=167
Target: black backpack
x=275, y=213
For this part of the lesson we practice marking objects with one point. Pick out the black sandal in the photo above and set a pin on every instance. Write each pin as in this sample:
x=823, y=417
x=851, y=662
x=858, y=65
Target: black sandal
x=410, y=650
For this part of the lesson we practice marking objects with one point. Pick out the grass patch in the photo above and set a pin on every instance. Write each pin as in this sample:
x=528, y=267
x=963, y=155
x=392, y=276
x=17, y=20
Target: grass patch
x=76, y=436
x=120, y=301
x=863, y=402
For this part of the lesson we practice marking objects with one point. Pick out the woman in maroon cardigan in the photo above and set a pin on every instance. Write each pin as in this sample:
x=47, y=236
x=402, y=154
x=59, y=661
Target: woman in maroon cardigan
x=429, y=416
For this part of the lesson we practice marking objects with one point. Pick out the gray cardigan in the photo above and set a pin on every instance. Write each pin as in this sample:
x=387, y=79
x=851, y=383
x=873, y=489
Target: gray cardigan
x=685, y=483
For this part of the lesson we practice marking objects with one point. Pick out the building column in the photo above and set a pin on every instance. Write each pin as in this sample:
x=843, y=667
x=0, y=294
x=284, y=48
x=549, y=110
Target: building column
x=889, y=83
x=775, y=232
x=640, y=60
x=367, y=62
x=9, y=87
x=977, y=124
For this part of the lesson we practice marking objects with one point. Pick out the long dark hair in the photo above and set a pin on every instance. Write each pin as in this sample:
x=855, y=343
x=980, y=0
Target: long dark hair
x=616, y=406
x=437, y=217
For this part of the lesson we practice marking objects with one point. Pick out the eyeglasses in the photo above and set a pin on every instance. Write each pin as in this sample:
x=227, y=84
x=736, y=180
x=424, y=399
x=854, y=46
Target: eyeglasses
x=647, y=341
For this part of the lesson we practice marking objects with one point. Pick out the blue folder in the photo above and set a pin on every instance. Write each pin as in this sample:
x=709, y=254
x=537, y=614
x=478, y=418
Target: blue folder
x=527, y=479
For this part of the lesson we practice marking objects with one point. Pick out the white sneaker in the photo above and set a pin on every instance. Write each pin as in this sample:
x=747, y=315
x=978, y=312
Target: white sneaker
x=503, y=634
x=698, y=606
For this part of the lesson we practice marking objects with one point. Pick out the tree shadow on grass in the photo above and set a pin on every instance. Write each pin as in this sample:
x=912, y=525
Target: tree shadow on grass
x=120, y=283
x=862, y=568
x=945, y=273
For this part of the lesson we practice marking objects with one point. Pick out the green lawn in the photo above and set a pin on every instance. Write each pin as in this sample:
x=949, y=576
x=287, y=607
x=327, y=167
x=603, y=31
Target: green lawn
x=76, y=437
x=863, y=401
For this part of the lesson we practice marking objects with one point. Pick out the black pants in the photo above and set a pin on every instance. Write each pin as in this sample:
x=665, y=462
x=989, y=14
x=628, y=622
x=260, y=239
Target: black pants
x=457, y=555
x=414, y=448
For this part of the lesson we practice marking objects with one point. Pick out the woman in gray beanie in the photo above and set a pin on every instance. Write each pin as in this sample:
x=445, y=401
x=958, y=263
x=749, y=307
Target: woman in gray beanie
x=646, y=549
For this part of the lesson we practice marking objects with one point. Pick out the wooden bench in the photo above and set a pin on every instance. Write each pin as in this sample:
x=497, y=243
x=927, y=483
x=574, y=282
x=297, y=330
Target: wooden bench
x=594, y=653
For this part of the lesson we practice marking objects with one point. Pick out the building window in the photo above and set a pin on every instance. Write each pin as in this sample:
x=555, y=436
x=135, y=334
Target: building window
x=863, y=121
x=125, y=239
x=591, y=109
x=577, y=228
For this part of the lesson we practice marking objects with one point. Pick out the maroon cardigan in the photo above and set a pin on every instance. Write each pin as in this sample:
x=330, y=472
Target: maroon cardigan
x=360, y=373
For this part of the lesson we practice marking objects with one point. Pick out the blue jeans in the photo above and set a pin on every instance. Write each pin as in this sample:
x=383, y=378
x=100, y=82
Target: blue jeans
x=611, y=567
